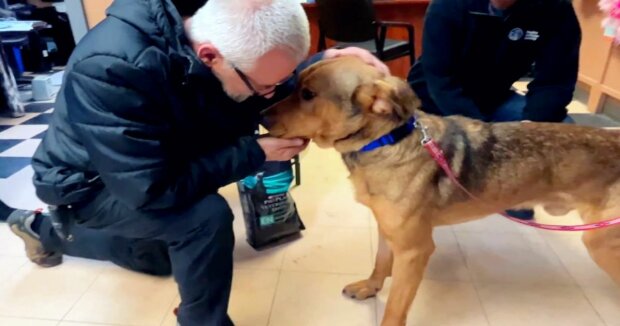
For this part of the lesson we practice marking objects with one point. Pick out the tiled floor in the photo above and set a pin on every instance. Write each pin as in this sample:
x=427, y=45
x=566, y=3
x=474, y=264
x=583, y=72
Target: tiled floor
x=488, y=272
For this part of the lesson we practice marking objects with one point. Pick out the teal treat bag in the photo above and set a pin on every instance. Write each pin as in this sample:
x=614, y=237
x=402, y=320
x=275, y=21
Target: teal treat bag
x=269, y=212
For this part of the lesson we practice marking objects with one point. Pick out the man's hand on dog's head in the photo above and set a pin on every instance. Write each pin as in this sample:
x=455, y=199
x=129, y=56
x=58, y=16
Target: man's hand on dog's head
x=365, y=55
x=277, y=149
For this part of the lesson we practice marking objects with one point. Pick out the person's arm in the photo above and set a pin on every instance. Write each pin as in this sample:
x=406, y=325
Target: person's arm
x=556, y=68
x=441, y=45
x=119, y=112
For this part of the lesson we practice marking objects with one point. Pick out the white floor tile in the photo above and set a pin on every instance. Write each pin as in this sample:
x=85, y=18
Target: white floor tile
x=26, y=322
x=576, y=106
x=71, y=323
x=512, y=258
x=314, y=299
x=46, y=293
x=10, y=265
x=537, y=305
x=18, y=191
x=252, y=297
x=447, y=262
x=332, y=250
x=340, y=209
x=606, y=301
x=574, y=255
x=10, y=244
x=22, y=131
x=125, y=298
x=246, y=257
x=23, y=149
x=17, y=121
x=440, y=303
x=491, y=224
x=171, y=319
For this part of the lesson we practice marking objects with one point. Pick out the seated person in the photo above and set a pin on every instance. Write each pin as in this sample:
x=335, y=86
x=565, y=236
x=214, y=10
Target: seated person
x=474, y=50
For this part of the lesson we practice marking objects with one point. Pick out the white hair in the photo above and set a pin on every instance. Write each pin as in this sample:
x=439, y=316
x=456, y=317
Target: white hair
x=244, y=30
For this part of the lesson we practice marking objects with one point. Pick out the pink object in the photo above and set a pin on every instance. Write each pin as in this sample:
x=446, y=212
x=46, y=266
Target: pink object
x=437, y=155
x=614, y=12
x=611, y=23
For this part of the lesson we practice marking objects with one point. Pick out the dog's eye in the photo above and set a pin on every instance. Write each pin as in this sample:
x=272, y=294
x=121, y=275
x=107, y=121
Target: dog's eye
x=307, y=94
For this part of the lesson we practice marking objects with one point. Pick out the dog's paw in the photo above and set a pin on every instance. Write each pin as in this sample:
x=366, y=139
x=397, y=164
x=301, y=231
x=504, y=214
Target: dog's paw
x=362, y=290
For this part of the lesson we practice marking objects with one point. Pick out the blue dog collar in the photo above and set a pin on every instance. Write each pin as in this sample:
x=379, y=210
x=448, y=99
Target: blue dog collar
x=393, y=137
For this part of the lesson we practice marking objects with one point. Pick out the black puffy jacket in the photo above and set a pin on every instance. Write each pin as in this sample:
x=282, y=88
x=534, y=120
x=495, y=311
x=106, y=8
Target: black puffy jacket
x=471, y=58
x=140, y=115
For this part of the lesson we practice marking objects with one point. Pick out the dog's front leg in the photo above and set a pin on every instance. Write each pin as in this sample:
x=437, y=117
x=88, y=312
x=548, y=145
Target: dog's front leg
x=383, y=268
x=412, y=248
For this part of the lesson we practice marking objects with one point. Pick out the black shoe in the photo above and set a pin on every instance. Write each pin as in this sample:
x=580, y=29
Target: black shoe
x=20, y=222
x=523, y=214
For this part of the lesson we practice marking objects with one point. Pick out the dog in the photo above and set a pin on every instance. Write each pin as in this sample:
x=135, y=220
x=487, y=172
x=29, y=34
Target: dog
x=345, y=104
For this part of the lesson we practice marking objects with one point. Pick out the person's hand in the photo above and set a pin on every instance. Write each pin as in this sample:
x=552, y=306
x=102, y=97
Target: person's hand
x=277, y=149
x=365, y=55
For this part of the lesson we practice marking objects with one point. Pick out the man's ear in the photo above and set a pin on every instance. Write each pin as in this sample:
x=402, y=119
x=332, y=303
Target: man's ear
x=387, y=96
x=208, y=54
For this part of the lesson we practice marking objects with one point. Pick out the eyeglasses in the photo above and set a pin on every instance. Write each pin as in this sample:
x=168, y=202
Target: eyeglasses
x=266, y=90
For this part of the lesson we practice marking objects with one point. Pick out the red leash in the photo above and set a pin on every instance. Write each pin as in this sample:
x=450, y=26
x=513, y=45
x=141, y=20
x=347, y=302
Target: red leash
x=437, y=154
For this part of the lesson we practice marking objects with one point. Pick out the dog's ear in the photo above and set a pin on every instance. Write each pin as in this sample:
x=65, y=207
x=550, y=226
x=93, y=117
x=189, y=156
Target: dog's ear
x=387, y=96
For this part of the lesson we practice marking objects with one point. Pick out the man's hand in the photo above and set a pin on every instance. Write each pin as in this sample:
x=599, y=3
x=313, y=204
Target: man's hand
x=277, y=149
x=360, y=53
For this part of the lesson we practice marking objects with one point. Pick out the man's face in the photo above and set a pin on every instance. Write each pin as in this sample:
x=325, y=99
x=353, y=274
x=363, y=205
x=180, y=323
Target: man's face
x=272, y=69
x=503, y=4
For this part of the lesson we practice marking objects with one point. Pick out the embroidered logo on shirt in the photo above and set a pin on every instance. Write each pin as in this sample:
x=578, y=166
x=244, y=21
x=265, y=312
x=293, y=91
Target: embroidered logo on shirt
x=531, y=35
x=515, y=34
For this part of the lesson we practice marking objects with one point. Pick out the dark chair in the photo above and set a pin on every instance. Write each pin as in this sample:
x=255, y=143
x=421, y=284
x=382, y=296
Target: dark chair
x=353, y=23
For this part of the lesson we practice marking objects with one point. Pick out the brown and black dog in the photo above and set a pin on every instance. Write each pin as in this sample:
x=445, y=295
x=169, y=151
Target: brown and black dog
x=346, y=104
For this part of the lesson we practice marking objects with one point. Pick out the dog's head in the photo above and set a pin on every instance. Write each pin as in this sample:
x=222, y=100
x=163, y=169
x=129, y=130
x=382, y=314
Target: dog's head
x=342, y=103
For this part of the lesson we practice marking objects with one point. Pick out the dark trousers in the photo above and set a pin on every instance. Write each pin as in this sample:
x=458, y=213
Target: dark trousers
x=195, y=244
x=512, y=110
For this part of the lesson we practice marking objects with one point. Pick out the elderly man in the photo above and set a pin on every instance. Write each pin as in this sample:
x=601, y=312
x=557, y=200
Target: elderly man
x=474, y=50
x=157, y=113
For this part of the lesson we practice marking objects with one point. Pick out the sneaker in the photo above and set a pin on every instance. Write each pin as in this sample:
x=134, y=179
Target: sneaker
x=523, y=214
x=20, y=222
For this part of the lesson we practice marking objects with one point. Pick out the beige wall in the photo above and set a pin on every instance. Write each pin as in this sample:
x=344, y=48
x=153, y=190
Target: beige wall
x=599, y=64
x=95, y=10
